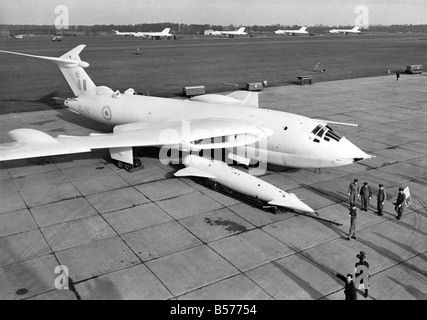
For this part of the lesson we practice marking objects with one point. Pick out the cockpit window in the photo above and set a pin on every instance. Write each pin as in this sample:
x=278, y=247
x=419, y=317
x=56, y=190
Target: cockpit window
x=325, y=132
x=333, y=134
x=316, y=129
x=321, y=132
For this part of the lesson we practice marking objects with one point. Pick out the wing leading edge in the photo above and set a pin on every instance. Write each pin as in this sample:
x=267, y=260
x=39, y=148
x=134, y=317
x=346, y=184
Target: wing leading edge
x=191, y=135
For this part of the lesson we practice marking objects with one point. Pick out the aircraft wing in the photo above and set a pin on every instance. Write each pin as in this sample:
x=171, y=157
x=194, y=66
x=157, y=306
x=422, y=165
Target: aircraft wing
x=190, y=135
x=239, y=98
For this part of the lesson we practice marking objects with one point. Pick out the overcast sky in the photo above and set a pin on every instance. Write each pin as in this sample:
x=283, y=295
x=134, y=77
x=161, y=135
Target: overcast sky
x=221, y=12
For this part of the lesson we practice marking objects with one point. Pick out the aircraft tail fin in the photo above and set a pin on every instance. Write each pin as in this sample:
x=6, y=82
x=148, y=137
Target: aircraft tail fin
x=166, y=30
x=303, y=29
x=242, y=29
x=71, y=67
x=356, y=28
x=76, y=76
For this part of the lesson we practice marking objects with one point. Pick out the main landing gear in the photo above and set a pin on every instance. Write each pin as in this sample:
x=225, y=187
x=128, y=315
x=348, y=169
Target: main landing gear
x=137, y=165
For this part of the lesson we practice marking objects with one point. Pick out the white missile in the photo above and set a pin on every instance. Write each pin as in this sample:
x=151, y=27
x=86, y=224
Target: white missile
x=241, y=182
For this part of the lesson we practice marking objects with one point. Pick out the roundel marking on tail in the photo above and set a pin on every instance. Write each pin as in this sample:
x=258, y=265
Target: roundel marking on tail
x=106, y=113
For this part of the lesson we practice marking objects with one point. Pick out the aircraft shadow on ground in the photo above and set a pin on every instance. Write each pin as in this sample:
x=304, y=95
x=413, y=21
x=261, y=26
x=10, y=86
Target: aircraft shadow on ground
x=416, y=293
x=84, y=122
x=338, y=195
x=46, y=101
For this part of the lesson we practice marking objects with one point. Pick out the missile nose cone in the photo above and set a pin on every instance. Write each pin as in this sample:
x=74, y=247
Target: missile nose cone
x=298, y=205
x=291, y=201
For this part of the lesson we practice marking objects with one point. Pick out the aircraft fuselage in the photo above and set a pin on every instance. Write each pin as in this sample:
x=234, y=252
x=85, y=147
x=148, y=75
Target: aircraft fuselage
x=293, y=143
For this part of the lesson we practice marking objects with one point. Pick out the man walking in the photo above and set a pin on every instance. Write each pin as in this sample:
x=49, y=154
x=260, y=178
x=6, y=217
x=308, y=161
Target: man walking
x=400, y=203
x=317, y=67
x=381, y=197
x=365, y=195
x=353, y=192
x=353, y=216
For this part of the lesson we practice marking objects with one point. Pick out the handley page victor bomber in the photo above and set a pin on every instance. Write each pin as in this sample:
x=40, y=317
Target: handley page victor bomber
x=279, y=138
x=209, y=122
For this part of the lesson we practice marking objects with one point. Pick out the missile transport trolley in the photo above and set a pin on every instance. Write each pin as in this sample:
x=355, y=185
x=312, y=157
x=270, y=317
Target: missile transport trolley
x=257, y=202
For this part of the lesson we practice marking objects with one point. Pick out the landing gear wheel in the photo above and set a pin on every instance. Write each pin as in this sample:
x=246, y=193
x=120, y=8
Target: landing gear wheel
x=120, y=165
x=128, y=166
x=136, y=162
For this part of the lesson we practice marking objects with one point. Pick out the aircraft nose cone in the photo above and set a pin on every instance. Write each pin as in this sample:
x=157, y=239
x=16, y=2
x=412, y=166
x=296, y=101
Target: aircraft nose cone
x=350, y=152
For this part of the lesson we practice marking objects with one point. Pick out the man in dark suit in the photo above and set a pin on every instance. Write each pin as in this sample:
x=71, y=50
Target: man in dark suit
x=365, y=196
x=350, y=290
x=381, y=197
x=400, y=203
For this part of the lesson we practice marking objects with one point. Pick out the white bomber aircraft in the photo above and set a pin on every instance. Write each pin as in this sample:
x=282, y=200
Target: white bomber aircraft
x=346, y=31
x=292, y=32
x=154, y=35
x=289, y=140
x=118, y=33
x=231, y=34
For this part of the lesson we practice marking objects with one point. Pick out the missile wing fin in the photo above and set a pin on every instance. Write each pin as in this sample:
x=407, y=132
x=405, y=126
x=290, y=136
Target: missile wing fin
x=193, y=172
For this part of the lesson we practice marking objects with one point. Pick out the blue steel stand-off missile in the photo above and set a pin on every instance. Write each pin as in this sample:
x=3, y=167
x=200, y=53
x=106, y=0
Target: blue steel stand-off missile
x=241, y=182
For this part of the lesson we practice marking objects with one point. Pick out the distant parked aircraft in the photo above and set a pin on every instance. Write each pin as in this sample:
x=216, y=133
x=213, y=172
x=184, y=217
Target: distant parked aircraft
x=231, y=34
x=346, y=31
x=154, y=35
x=292, y=32
x=56, y=38
x=118, y=33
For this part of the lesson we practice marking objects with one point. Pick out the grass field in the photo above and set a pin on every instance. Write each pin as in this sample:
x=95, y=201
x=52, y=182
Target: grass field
x=166, y=66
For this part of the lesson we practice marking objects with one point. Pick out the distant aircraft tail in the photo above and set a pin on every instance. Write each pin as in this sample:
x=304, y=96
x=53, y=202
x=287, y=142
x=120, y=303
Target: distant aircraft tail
x=71, y=67
x=356, y=28
x=115, y=31
x=242, y=29
x=303, y=29
x=166, y=30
